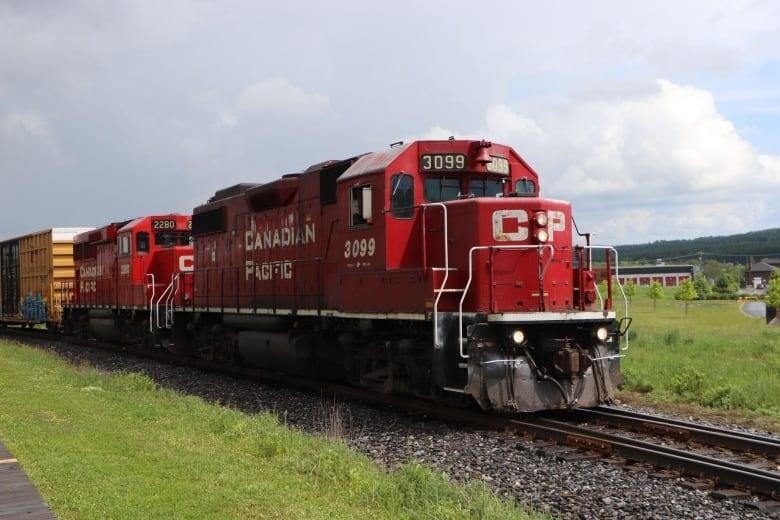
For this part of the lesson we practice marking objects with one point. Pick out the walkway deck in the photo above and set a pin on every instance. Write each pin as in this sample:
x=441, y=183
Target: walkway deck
x=18, y=497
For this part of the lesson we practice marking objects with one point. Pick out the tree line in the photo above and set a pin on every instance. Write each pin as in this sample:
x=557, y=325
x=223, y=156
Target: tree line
x=738, y=249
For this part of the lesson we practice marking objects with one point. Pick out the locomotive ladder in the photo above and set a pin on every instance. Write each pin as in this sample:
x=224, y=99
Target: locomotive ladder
x=437, y=342
x=166, y=299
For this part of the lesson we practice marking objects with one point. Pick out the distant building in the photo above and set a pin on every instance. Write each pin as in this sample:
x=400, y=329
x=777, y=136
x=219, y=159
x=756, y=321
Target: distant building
x=761, y=271
x=666, y=275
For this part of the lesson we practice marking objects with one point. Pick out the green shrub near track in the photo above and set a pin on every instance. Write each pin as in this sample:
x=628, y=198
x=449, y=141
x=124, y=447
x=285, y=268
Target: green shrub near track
x=715, y=357
x=116, y=446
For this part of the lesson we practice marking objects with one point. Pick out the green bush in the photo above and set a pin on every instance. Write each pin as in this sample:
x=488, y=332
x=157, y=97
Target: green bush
x=725, y=396
x=688, y=383
x=632, y=381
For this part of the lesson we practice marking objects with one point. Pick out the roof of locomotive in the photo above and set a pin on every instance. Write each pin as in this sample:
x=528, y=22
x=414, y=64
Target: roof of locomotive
x=231, y=191
x=376, y=161
x=101, y=234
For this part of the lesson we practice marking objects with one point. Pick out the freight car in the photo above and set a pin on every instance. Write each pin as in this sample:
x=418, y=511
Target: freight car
x=36, y=277
x=433, y=268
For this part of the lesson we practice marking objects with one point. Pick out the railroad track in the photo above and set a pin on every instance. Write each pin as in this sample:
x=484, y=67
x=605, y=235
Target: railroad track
x=739, y=465
x=684, y=431
x=730, y=463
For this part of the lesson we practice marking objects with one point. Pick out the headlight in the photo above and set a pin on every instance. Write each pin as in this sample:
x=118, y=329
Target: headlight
x=541, y=236
x=541, y=219
x=602, y=333
x=518, y=337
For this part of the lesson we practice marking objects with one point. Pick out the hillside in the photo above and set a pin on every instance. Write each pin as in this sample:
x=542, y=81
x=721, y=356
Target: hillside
x=732, y=248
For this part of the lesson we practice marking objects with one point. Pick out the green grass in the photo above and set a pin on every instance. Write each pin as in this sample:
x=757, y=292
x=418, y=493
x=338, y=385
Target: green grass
x=116, y=446
x=715, y=357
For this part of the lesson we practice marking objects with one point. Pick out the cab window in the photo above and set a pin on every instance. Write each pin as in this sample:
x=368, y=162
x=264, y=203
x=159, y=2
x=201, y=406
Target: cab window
x=402, y=195
x=172, y=238
x=525, y=187
x=142, y=242
x=439, y=189
x=360, y=206
x=124, y=245
x=486, y=187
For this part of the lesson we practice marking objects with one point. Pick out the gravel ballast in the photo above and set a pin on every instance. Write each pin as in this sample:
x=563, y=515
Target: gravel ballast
x=512, y=466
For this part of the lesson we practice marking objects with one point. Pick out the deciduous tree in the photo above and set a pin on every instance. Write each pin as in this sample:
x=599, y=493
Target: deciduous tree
x=686, y=292
x=629, y=289
x=655, y=292
x=702, y=285
x=772, y=297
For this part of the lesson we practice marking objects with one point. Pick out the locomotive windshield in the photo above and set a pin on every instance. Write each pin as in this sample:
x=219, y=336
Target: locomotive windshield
x=486, y=187
x=439, y=189
x=172, y=238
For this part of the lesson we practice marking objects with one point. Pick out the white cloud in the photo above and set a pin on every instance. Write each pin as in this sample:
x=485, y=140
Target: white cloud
x=275, y=96
x=661, y=164
x=672, y=139
x=25, y=123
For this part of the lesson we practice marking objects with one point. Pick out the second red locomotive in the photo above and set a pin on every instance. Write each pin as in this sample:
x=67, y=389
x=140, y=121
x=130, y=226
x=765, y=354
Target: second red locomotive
x=129, y=278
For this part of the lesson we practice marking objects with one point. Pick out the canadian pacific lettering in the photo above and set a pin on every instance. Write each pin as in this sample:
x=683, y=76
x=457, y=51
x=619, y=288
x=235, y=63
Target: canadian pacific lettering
x=277, y=270
x=90, y=271
x=287, y=234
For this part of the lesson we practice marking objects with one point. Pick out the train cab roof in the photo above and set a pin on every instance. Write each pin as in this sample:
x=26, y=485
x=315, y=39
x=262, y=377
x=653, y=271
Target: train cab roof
x=106, y=233
x=478, y=167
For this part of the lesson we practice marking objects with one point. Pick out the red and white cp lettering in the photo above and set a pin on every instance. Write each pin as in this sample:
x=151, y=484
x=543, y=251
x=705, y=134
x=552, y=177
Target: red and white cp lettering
x=186, y=263
x=510, y=225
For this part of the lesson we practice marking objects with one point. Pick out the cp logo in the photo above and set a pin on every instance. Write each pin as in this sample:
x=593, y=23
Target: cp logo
x=510, y=225
x=186, y=263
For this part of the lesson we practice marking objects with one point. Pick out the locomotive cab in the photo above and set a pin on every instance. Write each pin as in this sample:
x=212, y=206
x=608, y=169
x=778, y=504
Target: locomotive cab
x=514, y=299
x=151, y=251
x=465, y=240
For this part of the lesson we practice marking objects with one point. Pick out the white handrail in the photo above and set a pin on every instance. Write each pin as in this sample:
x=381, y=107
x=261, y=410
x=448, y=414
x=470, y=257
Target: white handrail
x=446, y=271
x=151, y=302
x=538, y=247
x=157, y=305
x=617, y=278
x=169, y=300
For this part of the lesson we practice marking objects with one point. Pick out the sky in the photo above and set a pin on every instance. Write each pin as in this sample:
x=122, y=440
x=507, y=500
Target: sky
x=657, y=120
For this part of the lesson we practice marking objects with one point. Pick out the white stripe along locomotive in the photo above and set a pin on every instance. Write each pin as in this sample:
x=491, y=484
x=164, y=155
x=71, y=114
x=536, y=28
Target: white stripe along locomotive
x=433, y=268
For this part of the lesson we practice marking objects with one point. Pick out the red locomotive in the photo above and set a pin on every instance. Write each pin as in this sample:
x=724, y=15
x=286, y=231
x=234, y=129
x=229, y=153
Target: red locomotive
x=429, y=268
x=128, y=278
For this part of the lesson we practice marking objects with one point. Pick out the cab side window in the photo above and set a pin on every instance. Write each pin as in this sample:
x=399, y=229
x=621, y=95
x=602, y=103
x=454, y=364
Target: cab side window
x=525, y=187
x=360, y=206
x=402, y=195
x=142, y=242
x=124, y=245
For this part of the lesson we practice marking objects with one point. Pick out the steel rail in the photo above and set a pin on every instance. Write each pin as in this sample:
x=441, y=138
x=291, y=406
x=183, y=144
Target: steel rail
x=683, y=430
x=689, y=463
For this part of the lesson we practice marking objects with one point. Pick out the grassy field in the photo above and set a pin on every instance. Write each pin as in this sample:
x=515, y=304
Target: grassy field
x=715, y=357
x=116, y=446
